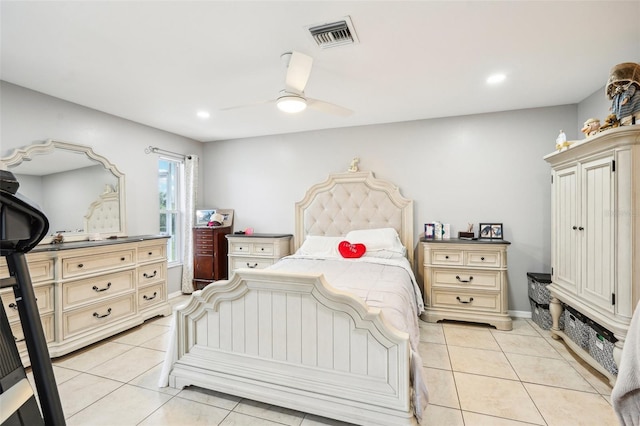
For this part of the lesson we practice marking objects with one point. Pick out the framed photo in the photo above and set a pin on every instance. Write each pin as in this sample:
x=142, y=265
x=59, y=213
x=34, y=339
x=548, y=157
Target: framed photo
x=490, y=231
x=203, y=216
x=227, y=214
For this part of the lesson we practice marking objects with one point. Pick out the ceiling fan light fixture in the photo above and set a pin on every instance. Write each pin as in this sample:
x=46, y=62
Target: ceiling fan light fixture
x=291, y=104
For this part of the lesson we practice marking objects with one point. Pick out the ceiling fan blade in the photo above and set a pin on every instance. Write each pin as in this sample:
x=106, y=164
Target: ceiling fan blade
x=328, y=107
x=298, y=72
x=253, y=104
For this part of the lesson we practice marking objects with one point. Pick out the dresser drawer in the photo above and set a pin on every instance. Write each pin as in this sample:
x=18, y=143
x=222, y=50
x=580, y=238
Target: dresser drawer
x=265, y=249
x=151, y=273
x=47, y=328
x=484, y=259
x=80, y=265
x=251, y=263
x=94, y=289
x=151, y=253
x=98, y=315
x=44, y=300
x=466, y=278
x=466, y=300
x=151, y=295
x=39, y=270
x=447, y=257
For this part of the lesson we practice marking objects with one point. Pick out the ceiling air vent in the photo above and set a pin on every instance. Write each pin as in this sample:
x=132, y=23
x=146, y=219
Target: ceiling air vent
x=334, y=33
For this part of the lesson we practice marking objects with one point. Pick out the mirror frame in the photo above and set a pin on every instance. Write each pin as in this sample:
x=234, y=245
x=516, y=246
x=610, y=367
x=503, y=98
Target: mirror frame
x=29, y=152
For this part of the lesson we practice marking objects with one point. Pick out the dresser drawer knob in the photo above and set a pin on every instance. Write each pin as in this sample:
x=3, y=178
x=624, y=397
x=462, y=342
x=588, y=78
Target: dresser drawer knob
x=155, y=294
x=98, y=290
x=13, y=306
x=464, y=281
x=123, y=259
x=446, y=257
x=482, y=258
x=97, y=315
x=255, y=265
x=150, y=276
x=80, y=265
x=150, y=253
x=464, y=301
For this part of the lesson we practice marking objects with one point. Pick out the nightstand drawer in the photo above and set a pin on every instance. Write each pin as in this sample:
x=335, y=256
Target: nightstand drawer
x=447, y=257
x=251, y=263
x=466, y=300
x=265, y=249
x=466, y=278
x=484, y=259
x=240, y=248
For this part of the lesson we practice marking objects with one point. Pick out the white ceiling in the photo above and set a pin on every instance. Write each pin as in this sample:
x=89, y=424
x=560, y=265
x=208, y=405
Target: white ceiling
x=159, y=62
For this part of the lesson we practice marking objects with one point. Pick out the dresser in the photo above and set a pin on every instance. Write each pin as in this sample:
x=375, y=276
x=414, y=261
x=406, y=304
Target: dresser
x=466, y=280
x=209, y=255
x=88, y=291
x=257, y=251
x=595, y=230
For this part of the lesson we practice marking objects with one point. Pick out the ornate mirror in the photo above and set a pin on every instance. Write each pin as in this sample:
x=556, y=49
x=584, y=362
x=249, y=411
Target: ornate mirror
x=81, y=192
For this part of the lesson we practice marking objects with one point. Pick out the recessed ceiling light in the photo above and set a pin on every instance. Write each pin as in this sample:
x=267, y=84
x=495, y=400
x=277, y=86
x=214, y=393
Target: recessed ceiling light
x=496, y=78
x=203, y=114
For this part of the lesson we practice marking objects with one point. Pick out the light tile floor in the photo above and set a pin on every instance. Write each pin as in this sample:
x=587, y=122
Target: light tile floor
x=476, y=376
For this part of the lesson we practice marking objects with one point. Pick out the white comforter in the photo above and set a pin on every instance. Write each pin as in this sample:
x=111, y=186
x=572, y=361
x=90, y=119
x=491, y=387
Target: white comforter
x=387, y=284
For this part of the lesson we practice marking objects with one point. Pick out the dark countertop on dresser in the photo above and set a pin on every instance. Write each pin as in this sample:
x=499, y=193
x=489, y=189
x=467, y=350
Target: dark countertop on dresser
x=88, y=244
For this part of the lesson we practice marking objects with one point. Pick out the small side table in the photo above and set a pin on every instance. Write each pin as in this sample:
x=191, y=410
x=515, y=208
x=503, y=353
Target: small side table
x=257, y=251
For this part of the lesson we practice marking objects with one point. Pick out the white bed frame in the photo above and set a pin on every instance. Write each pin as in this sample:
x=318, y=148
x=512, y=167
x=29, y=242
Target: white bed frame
x=294, y=341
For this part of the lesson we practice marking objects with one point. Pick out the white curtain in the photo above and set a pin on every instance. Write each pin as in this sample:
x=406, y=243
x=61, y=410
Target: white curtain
x=191, y=196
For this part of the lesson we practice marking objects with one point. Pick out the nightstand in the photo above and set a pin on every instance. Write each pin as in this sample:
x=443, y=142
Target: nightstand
x=466, y=280
x=257, y=251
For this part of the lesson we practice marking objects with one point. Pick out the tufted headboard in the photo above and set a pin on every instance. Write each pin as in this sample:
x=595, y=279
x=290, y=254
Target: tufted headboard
x=103, y=215
x=354, y=200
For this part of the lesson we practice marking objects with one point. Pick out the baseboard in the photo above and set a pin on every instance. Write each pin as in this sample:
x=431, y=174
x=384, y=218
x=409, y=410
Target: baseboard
x=520, y=314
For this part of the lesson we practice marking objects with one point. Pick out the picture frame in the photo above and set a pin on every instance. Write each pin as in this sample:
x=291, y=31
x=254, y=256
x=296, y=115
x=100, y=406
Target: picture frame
x=203, y=216
x=227, y=214
x=491, y=231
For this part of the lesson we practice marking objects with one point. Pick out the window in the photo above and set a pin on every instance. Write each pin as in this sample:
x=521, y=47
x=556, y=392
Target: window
x=171, y=205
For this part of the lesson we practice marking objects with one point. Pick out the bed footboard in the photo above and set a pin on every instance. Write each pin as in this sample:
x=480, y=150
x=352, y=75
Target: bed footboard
x=294, y=341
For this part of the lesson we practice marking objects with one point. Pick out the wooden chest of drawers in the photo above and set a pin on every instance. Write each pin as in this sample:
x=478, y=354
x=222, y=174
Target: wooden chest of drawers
x=466, y=281
x=257, y=251
x=209, y=255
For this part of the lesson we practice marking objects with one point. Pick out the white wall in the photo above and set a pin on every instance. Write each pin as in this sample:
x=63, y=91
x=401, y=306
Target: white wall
x=595, y=105
x=471, y=169
x=28, y=117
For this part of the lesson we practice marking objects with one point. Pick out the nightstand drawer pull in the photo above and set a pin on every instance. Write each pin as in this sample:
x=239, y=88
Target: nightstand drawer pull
x=150, y=276
x=255, y=265
x=482, y=258
x=464, y=301
x=464, y=281
x=155, y=294
x=96, y=289
x=446, y=257
x=97, y=315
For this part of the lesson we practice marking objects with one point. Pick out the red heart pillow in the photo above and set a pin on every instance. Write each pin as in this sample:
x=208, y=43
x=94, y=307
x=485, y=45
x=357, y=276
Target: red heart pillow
x=351, y=251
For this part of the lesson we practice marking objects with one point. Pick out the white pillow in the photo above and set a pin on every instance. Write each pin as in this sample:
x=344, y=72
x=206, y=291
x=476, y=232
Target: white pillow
x=315, y=245
x=381, y=242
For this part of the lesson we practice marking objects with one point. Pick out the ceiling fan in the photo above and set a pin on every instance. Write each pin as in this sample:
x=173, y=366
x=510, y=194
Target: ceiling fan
x=292, y=99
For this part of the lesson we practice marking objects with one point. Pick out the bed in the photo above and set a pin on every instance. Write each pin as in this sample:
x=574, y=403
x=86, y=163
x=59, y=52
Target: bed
x=287, y=337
